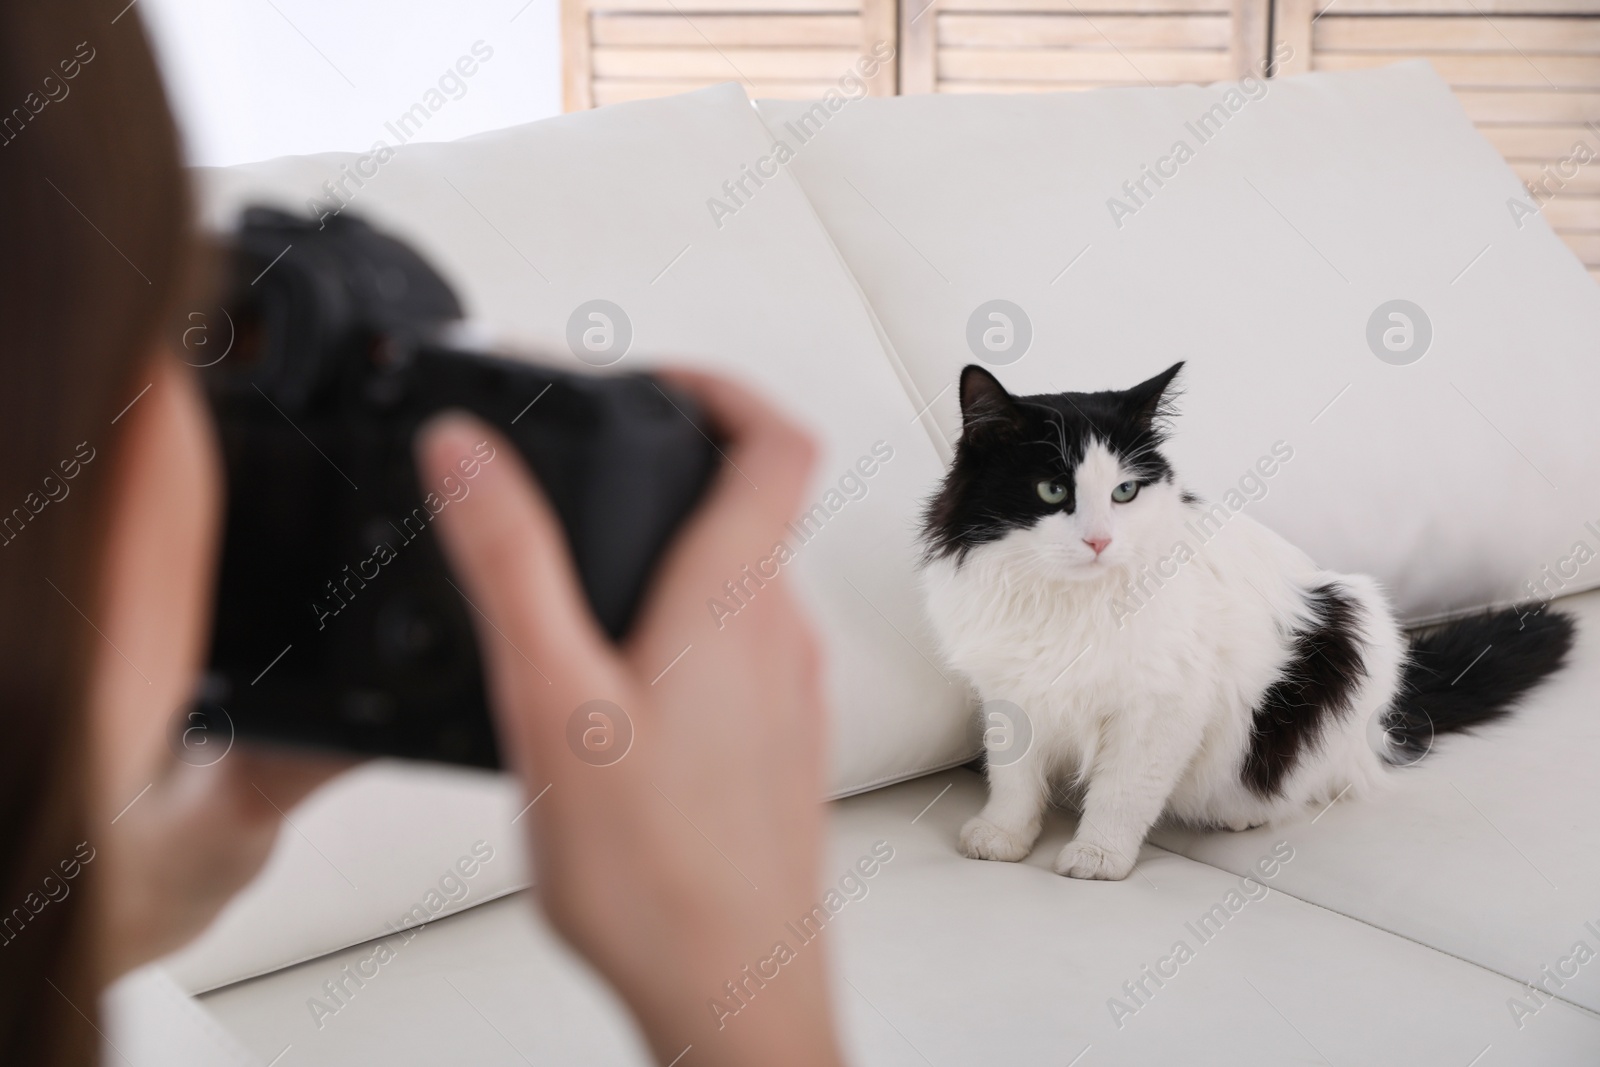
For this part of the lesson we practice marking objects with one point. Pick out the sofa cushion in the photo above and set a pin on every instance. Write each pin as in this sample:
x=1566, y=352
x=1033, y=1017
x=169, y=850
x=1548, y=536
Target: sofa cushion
x=1294, y=214
x=531, y=222
x=528, y=223
x=945, y=960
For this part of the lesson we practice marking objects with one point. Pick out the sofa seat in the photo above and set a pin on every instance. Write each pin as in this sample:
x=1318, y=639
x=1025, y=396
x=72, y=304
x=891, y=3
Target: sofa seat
x=945, y=960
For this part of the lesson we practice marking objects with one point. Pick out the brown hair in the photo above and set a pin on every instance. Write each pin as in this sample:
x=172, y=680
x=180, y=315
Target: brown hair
x=93, y=224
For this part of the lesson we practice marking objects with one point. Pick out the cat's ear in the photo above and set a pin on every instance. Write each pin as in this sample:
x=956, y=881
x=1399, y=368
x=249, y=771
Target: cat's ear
x=985, y=404
x=1151, y=400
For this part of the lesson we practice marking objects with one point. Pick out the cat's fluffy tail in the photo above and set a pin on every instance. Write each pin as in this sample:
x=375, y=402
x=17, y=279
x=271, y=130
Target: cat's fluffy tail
x=1469, y=672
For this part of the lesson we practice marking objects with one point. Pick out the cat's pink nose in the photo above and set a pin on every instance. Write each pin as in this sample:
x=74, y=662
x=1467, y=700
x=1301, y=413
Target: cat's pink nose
x=1097, y=543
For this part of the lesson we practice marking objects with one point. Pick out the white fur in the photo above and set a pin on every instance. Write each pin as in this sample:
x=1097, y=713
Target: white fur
x=1154, y=712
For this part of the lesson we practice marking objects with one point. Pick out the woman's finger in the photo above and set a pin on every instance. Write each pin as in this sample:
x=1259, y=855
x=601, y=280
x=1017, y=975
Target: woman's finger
x=735, y=534
x=543, y=650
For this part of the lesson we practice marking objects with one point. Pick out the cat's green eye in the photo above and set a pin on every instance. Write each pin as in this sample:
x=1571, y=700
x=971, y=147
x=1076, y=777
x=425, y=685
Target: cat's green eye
x=1051, y=492
x=1125, y=492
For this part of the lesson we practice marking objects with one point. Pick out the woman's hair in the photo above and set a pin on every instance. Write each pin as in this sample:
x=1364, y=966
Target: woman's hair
x=94, y=218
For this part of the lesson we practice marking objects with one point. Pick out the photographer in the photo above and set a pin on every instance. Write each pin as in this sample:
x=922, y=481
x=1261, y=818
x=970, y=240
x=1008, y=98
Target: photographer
x=105, y=607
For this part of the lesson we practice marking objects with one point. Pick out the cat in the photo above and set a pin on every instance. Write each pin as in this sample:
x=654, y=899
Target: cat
x=1239, y=691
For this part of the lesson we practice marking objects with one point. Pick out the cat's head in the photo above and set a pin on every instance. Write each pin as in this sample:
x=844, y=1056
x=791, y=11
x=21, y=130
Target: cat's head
x=1072, y=485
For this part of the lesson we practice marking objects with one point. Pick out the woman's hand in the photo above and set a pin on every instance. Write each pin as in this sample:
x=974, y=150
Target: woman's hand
x=672, y=862
x=172, y=841
x=191, y=842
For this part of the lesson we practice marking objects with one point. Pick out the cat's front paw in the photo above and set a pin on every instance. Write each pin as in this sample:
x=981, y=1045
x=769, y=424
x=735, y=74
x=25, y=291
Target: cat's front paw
x=983, y=840
x=1079, y=859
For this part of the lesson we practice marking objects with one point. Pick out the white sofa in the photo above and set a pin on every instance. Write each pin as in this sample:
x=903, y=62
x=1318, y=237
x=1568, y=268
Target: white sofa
x=1438, y=924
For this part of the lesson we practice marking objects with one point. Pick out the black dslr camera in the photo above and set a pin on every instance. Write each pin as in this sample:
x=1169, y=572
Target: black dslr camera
x=337, y=623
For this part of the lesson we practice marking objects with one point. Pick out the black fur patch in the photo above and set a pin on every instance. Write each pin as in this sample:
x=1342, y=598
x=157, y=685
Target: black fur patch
x=1011, y=443
x=1473, y=671
x=1324, y=669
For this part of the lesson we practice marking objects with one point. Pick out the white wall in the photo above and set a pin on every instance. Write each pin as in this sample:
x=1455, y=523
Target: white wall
x=252, y=79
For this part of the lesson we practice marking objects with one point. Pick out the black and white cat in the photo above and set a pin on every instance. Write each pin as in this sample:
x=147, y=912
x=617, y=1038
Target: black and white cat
x=1239, y=692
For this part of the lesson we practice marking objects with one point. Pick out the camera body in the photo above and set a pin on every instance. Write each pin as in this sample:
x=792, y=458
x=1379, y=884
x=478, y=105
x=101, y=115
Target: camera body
x=337, y=623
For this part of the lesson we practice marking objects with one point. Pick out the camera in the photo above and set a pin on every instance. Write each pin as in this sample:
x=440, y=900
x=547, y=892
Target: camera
x=337, y=623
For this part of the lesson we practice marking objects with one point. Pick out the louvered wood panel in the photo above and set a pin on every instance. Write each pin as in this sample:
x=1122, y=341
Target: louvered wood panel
x=1026, y=45
x=619, y=50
